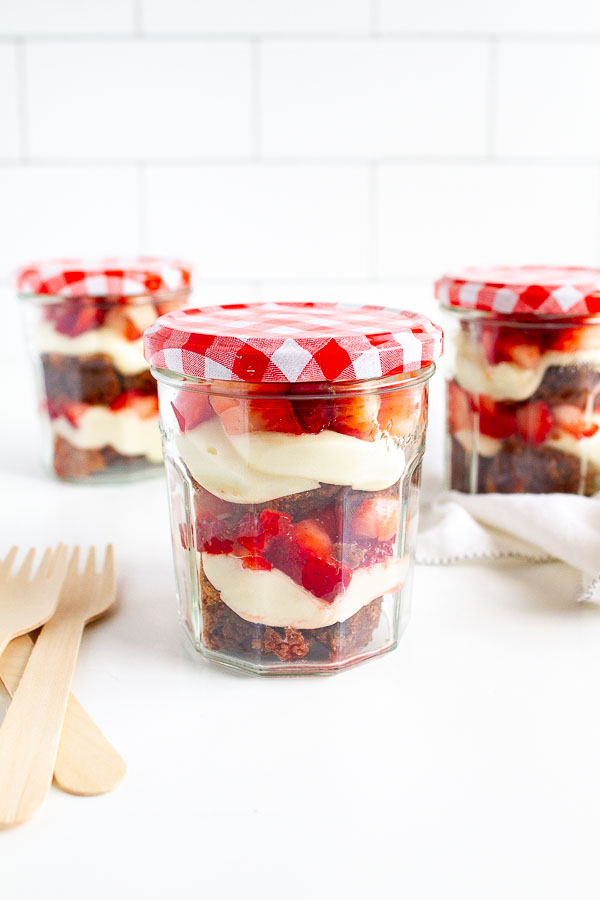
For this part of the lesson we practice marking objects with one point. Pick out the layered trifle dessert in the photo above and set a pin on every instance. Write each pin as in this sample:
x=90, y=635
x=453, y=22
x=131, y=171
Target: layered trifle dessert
x=293, y=503
x=85, y=323
x=523, y=393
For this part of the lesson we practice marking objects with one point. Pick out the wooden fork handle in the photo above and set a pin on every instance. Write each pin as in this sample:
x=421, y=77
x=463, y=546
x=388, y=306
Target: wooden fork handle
x=30, y=732
x=87, y=764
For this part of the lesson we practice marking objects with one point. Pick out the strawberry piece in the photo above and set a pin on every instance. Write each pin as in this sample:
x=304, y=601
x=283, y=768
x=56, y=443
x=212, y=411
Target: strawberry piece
x=573, y=420
x=74, y=411
x=578, y=337
x=119, y=321
x=400, y=411
x=76, y=318
x=250, y=533
x=357, y=416
x=191, y=408
x=311, y=538
x=313, y=416
x=497, y=420
x=377, y=518
x=275, y=523
x=325, y=578
x=212, y=535
x=511, y=345
x=460, y=412
x=258, y=563
x=144, y=405
x=534, y=422
x=242, y=416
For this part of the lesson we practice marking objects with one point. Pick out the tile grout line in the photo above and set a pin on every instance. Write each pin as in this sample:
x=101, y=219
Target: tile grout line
x=372, y=221
x=142, y=205
x=22, y=104
x=491, y=99
x=256, y=97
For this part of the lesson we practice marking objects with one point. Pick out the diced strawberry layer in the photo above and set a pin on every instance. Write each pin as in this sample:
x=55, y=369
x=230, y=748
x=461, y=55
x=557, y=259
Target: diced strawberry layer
x=357, y=416
x=313, y=416
x=574, y=420
x=191, y=408
x=509, y=344
x=534, y=422
x=144, y=405
x=377, y=518
x=497, y=420
x=73, y=319
x=460, y=409
x=400, y=411
x=242, y=416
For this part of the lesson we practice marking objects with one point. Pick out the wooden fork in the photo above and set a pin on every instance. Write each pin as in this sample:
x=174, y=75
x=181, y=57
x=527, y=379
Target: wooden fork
x=31, y=729
x=26, y=603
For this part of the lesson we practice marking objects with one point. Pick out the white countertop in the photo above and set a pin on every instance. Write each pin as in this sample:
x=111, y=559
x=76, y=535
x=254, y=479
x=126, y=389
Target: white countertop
x=464, y=765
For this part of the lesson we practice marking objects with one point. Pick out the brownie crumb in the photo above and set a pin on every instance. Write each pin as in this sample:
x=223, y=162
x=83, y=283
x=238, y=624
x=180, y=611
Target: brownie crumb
x=292, y=645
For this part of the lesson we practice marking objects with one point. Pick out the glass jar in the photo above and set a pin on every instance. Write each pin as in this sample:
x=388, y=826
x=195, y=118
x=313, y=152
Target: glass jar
x=98, y=401
x=523, y=380
x=293, y=502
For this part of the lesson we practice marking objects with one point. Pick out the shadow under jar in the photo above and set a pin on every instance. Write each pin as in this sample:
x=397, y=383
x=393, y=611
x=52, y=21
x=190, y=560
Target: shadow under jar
x=523, y=379
x=293, y=436
x=98, y=401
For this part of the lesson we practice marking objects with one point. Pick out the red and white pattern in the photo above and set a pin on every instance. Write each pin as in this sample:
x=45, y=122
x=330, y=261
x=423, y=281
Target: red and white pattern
x=523, y=290
x=292, y=342
x=107, y=277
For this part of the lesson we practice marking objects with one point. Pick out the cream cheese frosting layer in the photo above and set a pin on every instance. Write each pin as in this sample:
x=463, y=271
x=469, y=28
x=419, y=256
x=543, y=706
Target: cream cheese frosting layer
x=509, y=381
x=586, y=449
x=127, y=356
x=273, y=598
x=261, y=466
x=122, y=429
x=474, y=442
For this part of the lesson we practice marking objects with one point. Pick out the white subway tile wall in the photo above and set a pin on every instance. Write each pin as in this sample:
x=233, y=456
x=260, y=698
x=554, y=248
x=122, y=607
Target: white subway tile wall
x=342, y=149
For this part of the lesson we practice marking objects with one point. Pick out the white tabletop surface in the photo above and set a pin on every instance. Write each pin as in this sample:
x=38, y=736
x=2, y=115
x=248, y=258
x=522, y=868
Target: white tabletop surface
x=463, y=765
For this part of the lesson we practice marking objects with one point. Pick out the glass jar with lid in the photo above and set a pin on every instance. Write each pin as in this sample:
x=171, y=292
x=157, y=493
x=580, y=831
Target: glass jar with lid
x=523, y=379
x=293, y=436
x=98, y=401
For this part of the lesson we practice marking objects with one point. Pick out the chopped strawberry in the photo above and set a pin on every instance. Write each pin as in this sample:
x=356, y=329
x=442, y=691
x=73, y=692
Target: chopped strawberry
x=256, y=562
x=460, y=411
x=357, y=416
x=313, y=416
x=400, y=411
x=578, y=337
x=242, y=416
x=74, y=411
x=275, y=523
x=497, y=420
x=119, y=321
x=574, y=420
x=507, y=344
x=310, y=537
x=213, y=535
x=144, y=405
x=377, y=518
x=534, y=422
x=250, y=533
x=77, y=318
x=325, y=578
x=191, y=408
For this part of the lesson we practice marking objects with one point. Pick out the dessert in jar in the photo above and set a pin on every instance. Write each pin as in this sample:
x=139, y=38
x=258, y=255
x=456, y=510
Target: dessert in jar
x=85, y=321
x=293, y=435
x=523, y=388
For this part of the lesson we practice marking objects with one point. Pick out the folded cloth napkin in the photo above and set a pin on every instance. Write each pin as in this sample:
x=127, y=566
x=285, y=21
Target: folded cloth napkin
x=458, y=528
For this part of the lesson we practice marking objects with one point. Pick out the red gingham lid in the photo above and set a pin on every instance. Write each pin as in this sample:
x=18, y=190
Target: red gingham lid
x=523, y=290
x=107, y=277
x=290, y=342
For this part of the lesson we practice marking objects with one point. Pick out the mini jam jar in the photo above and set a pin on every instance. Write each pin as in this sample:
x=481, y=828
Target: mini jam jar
x=98, y=401
x=293, y=435
x=523, y=379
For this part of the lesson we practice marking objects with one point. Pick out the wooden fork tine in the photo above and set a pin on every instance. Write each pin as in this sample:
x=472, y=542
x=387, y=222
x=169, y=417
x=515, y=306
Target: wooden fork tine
x=108, y=569
x=90, y=564
x=25, y=570
x=7, y=563
x=45, y=564
x=58, y=564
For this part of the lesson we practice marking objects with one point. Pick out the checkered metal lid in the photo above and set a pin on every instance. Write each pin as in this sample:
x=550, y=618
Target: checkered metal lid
x=291, y=342
x=107, y=277
x=523, y=290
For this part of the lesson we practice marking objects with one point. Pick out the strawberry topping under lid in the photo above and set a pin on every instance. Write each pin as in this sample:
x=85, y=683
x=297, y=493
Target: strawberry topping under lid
x=523, y=290
x=292, y=342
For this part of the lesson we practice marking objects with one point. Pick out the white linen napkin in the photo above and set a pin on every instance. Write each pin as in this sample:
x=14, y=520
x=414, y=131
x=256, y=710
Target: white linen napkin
x=458, y=528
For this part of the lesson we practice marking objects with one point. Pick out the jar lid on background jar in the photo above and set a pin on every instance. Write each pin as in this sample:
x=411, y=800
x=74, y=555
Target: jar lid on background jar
x=523, y=290
x=106, y=277
x=292, y=342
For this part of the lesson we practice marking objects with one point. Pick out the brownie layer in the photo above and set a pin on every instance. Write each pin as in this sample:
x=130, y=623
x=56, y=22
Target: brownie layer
x=89, y=379
x=72, y=462
x=519, y=468
x=567, y=384
x=224, y=630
